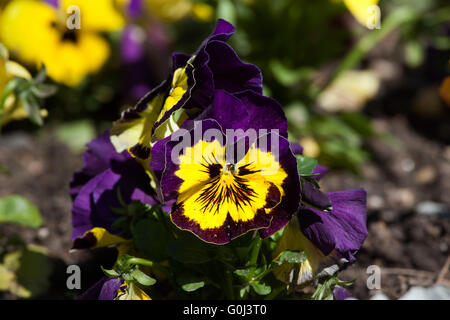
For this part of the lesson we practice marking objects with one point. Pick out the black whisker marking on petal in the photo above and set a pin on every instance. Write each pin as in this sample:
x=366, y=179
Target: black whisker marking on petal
x=244, y=170
x=217, y=193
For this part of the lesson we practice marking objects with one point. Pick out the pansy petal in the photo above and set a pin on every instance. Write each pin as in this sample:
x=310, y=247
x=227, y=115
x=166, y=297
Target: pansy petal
x=246, y=114
x=320, y=171
x=92, y=206
x=170, y=182
x=283, y=213
x=225, y=65
x=97, y=238
x=314, y=197
x=296, y=148
x=96, y=159
x=342, y=229
x=131, y=292
x=133, y=131
x=264, y=112
x=104, y=289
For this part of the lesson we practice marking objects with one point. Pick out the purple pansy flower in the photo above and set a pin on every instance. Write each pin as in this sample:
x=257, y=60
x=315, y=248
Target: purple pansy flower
x=95, y=191
x=220, y=193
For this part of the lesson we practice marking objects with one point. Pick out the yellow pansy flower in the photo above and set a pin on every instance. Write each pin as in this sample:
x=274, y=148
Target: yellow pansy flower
x=39, y=34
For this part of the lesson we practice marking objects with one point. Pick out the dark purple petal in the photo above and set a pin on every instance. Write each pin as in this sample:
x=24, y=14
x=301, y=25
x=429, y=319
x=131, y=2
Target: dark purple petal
x=321, y=170
x=213, y=66
x=110, y=289
x=340, y=293
x=248, y=112
x=296, y=148
x=229, y=72
x=92, y=206
x=313, y=196
x=264, y=112
x=223, y=31
x=104, y=289
x=343, y=229
x=96, y=159
x=179, y=60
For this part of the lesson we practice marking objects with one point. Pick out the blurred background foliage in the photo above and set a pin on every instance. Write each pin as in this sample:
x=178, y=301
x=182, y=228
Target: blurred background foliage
x=314, y=55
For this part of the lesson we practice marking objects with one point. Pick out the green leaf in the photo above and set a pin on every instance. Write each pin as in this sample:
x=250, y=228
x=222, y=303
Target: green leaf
x=41, y=76
x=261, y=288
x=17, y=209
x=290, y=257
x=31, y=106
x=111, y=273
x=305, y=165
x=243, y=292
x=190, y=283
x=142, y=278
x=10, y=87
x=44, y=90
x=151, y=238
x=245, y=273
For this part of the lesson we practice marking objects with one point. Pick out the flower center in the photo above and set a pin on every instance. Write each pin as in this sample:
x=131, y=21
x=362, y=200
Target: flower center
x=66, y=34
x=229, y=169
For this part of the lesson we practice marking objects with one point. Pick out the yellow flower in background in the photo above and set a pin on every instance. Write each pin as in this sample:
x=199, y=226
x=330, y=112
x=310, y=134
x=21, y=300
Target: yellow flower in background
x=8, y=71
x=37, y=32
x=359, y=9
x=170, y=10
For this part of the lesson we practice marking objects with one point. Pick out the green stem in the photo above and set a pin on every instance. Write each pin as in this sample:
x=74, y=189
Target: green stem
x=140, y=261
x=397, y=18
x=229, y=284
x=255, y=251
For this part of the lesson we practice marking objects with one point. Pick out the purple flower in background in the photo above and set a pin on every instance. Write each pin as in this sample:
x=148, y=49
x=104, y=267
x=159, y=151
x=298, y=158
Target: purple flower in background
x=135, y=8
x=135, y=61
